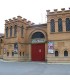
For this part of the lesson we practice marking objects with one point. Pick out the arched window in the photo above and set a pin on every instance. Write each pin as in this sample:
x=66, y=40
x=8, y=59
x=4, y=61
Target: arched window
x=1, y=40
x=20, y=53
x=11, y=31
x=23, y=53
x=15, y=30
x=60, y=25
x=65, y=53
x=7, y=32
x=16, y=46
x=67, y=24
x=12, y=53
x=7, y=53
x=38, y=35
x=22, y=31
x=56, y=53
x=52, y=24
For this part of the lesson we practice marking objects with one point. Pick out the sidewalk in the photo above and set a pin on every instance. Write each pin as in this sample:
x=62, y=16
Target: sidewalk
x=6, y=60
x=33, y=62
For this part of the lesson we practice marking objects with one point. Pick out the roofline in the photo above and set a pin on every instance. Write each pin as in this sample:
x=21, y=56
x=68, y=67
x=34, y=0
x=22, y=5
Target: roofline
x=37, y=25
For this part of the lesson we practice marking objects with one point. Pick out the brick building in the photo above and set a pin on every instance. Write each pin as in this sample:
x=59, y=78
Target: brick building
x=26, y=41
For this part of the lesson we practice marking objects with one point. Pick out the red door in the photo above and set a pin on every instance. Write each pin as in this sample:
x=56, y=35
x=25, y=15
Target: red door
x=38, y=52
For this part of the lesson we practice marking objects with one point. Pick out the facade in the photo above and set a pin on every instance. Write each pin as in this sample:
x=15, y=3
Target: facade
x=1, y=45
x=26, y=41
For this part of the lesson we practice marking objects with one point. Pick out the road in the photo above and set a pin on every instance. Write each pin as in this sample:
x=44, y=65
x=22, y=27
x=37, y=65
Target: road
x=33, y=68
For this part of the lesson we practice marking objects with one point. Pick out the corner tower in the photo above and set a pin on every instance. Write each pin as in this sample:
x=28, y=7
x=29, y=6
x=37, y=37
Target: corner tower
x=58, y=30
x=15, y=39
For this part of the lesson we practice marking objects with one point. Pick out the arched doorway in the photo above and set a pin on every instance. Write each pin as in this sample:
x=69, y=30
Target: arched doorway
x=38, y=47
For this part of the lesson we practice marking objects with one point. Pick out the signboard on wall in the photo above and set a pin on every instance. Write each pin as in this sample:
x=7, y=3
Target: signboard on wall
x=50, y=47
x=15, y=47
x=4, y=50
x=38, y=40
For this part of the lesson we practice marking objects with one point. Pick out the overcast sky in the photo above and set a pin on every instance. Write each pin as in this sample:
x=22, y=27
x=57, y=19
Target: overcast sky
x=34, y=10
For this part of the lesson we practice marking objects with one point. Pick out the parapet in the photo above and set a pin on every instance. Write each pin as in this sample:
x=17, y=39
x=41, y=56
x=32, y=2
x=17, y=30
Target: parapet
x=29, y=22
x=69, y=8
x=18, y=18
x=32, y=23
x=55, y=10
x=10, y=20
x=14, y=18
x=6, y=21
x=63, y=9
x=58, y=12
x=24, y=20
x=48, y=11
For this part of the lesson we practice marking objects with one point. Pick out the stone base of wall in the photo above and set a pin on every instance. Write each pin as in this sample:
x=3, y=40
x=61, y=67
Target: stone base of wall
x=1, y=57
x=59, y=60
x=47, y=59
x=15, y=58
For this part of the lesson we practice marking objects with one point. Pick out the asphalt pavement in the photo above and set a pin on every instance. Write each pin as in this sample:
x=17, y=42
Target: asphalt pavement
x=33, y=68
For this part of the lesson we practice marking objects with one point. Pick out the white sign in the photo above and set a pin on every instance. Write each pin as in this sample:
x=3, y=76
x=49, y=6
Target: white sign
x=38, y=40
x=50, y=47
x=15, y=50
x=4, y=50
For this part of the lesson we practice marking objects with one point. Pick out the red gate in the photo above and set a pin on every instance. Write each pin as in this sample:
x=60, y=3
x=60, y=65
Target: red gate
x=38, y=52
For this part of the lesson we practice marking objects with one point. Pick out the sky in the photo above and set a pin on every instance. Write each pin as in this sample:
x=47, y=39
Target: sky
x=33, y=10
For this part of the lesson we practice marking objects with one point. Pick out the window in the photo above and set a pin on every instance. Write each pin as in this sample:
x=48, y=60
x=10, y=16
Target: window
x=23, y=53
x=15, y=45
x=12, y=53
x=38, y=35
x=1, y=40
x=7, y=32
x=15, y=30
x=22, y=31
x=60, y=25
x=52, y=24
x=7, y=53
x=56, y=53
x=20, y=53
x=11, y=31
x=15, y=48
x=67, y=24
x=65, y=53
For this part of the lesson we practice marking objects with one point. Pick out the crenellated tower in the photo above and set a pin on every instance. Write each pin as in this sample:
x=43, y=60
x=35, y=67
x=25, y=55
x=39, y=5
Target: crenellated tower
x=58, y=30
x=15, y=38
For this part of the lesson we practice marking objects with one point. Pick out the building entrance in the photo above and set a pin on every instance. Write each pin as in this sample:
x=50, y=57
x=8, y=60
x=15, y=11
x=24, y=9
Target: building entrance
x=38, y=47
x=38, y=52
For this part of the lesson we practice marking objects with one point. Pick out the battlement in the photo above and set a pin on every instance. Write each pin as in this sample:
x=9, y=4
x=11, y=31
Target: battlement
x=62, y=11
x=18, y=18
